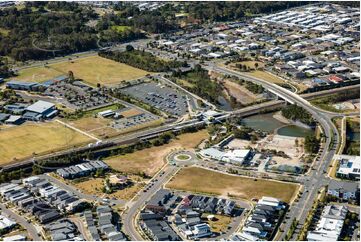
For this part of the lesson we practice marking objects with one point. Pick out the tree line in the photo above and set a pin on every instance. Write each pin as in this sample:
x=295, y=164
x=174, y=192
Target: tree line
x=142, y=60
x=202, y=85
x=297, y=113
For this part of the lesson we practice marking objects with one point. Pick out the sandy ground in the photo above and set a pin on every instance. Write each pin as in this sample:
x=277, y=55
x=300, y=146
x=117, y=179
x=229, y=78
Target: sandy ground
x=239, y=92
x=151, y=160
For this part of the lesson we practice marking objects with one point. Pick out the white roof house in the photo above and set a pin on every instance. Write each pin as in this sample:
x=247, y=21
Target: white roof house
x=330, y=225
x=18, y=237
x=271, y=201
x=5, y=222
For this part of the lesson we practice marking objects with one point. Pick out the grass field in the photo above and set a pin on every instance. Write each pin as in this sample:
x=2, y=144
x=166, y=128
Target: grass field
x=200, y=180
x=92, y=70
x=22, y=141
x=151, y=160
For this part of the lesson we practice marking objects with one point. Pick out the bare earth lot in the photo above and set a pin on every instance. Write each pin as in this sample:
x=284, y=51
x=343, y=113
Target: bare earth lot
x=240, y=93
x=20, y=142
x=92, y=70
x=201, y=180
x=151, y=160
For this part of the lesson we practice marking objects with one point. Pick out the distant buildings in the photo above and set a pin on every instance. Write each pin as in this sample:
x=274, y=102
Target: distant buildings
x=330, y=225
x=83, y=169
x=20, y=112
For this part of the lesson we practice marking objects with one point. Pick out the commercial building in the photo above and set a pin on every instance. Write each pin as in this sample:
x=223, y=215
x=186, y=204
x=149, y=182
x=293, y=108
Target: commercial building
x=40, y=110
x=236, y=156
x=349, y=167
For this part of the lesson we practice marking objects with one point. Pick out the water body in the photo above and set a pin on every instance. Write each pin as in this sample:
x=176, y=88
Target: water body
x=224, y=104
x=264, y=122
x=267, y=123
x=353, y=136
x=294, y=131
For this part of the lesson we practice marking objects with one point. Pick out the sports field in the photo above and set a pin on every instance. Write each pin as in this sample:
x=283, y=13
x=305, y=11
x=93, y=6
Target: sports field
x=92, y=70
x=20, y=142
x=201, y=180
x=151, y=160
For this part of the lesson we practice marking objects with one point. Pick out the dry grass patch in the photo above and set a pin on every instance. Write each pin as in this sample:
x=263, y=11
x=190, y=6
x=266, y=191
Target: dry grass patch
x=201, y=180
x=150, y=160
x=29, y=139
x=94, y=186
x=92, y=69
x=130, y=112
x=220, y=222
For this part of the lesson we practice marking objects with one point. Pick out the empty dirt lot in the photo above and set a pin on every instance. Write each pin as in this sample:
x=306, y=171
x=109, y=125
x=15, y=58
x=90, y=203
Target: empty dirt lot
x=201, y=180
x=151, y=160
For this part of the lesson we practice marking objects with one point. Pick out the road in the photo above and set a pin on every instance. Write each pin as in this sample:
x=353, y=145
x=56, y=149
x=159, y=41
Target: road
x=129, y=216
x=30, y=228
x=316, y=179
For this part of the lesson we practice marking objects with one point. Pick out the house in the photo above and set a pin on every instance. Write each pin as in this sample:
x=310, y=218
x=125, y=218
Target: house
x=159, y=230
x=330, y=225
x=40, y=110
x=344, y=190
x=18, y=237
x=6, y=223
x=201, y=231
x=335, y=79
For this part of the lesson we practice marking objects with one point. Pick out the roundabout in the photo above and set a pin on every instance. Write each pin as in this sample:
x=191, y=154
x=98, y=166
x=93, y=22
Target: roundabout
x=182, y=157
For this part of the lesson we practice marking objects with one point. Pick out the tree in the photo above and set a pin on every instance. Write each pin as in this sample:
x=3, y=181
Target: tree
x=256, y=65
x=129, y=48
x=71, y=76
x=312, y=144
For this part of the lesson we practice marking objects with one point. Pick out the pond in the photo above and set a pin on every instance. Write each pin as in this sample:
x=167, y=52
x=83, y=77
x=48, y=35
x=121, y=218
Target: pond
x=267, y=123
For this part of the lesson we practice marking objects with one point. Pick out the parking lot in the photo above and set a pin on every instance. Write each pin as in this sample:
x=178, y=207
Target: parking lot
x=160, y=97
x=78, y=95
x=134, y=121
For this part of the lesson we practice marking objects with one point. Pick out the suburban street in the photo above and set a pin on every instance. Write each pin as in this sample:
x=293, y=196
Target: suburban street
x=30, y=228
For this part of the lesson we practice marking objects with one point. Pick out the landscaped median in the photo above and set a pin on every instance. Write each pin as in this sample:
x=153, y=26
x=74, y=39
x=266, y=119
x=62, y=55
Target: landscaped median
x=199, y=180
